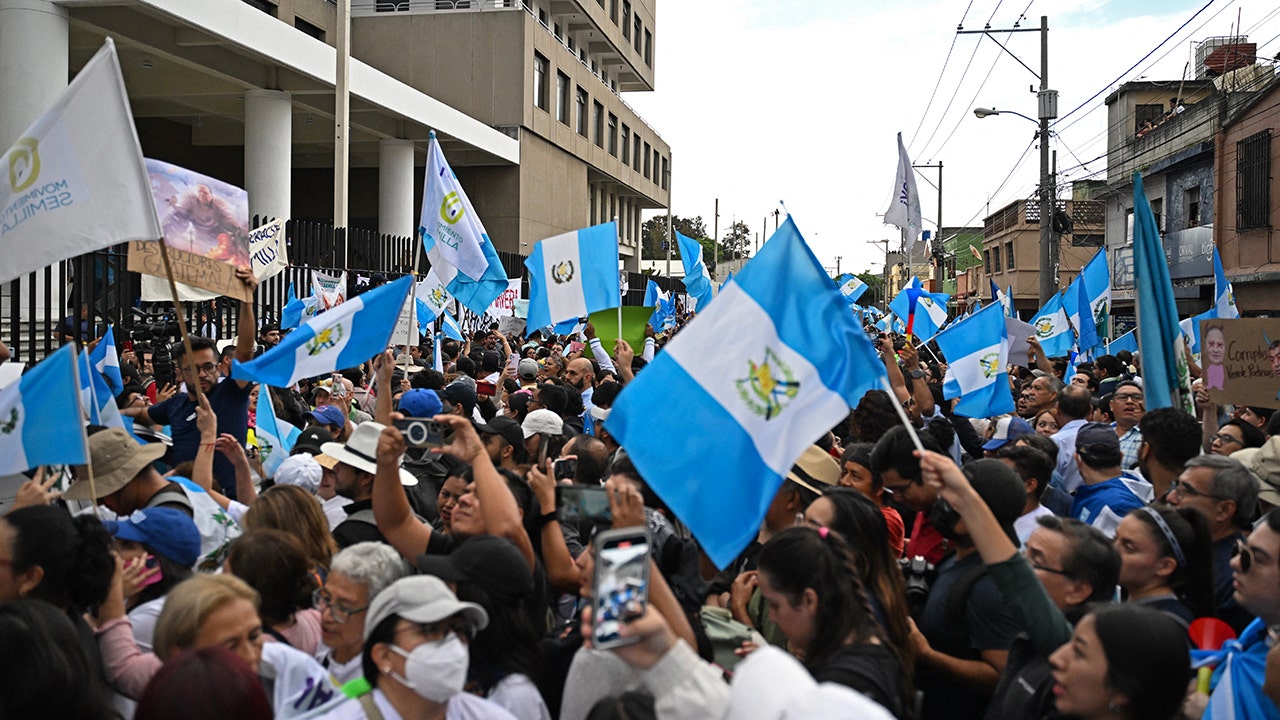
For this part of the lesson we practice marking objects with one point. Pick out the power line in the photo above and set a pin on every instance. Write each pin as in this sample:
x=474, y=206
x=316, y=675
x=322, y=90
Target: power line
x=929, y=105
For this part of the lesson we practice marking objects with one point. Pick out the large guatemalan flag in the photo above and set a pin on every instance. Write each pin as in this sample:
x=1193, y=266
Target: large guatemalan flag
x=573, y=275
x=341, y=338
x=40, y=419
x=774, y=363
x=977, y=351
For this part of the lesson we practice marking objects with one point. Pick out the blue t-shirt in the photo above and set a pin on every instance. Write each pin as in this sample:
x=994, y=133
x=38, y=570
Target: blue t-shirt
x=230, y=403
x=1105, y=504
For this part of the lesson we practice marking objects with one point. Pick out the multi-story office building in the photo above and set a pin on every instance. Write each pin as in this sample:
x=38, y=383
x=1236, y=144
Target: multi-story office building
x=524, y=96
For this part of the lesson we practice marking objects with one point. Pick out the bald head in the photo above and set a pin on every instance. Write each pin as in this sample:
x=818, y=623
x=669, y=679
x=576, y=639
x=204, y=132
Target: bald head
x=1074, y=403
x=580, y=374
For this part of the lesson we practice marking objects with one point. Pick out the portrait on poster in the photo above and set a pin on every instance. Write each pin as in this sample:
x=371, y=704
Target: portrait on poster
x=1240, y=360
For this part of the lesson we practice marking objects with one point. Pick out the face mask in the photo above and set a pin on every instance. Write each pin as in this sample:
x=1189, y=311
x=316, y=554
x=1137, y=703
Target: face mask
x=436, y=671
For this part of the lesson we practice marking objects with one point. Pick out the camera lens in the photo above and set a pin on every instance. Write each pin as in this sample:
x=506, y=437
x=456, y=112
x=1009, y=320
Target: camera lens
x=416, y=433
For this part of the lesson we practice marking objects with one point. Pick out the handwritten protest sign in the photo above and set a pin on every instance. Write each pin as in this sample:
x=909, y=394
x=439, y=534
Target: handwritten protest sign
x=1241, y=361
x=269, y=257
x=504, y=305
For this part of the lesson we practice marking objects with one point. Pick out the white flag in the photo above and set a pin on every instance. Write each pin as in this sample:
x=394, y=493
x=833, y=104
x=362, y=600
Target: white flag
x=904, y=211
x=452, y=230
x=268, y=251
x=75, y=181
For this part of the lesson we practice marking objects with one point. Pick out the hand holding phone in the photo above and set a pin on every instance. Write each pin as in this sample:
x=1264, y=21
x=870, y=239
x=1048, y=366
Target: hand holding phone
x=424, y=432
x=621, y=591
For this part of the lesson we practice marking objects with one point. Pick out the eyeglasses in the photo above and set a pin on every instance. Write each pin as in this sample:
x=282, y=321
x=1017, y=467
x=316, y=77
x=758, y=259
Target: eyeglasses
x=205, y=369
x=1135, y=397
x=1042, y=568
x=1246, y=556
x=341, y=613
x=1184, y=490
x=1225, y=438
x=437, y=631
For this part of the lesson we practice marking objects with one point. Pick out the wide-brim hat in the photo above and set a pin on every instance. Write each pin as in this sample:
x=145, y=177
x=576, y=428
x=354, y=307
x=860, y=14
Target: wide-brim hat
x=360, y=452
x=115, y=458
x=815, y=470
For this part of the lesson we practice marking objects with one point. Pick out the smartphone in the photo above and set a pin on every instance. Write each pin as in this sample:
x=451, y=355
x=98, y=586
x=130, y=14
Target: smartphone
x=543, y=447
x=424, y=432
x=565, y=468
x=152, y=563
x=485, y=389
x=579, y=503
x=621, y=584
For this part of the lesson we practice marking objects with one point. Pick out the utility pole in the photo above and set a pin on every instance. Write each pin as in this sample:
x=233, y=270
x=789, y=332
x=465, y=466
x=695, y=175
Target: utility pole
x=715, y=239
x=884, y=289
x=837, y=266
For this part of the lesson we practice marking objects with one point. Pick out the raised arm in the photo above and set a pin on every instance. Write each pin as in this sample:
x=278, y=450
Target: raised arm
x=561, y=570
x=391, y=510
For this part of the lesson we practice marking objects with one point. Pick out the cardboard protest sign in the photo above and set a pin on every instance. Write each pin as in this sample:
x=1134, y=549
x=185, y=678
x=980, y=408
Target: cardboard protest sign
x=634, y=320
x=508, y=325
x=205, y=225
x=1241, y=361
x=269, y=256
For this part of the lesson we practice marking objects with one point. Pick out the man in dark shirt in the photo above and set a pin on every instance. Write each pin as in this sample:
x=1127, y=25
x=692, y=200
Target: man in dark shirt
x=228, y=398
x=353, y=466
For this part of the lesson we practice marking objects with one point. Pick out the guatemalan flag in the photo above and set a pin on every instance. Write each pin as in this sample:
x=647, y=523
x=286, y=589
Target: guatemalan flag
x=40, y=420
x=1224, y=296
x=1004, y=299
x=106, y=361
x=977, y=352
x=454, y=238
x=775, y=364
x=1093, y=283
x=341, y=338
x=696, y=278
x=95, y=395
x=924, y=312
x=851, y=287
x=1127, y=341
x=434, y=295
x=296, y=310
x=275, y=437
x=449, y=325
x=1053, y=331
x=662, y=304
x=573, y=275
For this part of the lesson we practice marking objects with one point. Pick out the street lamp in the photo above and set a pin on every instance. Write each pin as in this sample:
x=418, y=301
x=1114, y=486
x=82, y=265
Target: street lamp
x=985, y=112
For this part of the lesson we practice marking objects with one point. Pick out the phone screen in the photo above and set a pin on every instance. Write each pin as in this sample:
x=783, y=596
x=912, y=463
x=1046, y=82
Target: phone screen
x=621, y=584
x=583, y=502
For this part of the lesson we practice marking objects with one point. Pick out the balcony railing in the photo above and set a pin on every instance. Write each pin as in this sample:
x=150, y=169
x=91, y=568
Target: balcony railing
x=371, y=8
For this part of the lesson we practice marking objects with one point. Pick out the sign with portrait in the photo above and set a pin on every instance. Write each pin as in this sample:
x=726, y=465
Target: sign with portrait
x=1241, y=361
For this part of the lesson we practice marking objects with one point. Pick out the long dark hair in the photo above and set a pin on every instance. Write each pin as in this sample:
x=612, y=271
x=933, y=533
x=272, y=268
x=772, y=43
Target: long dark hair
x=1148, y=658
x=860, y=523
x=75, y=554
x=1192, y=580
x=46, y=671
x=273, y=563
x=801, y=558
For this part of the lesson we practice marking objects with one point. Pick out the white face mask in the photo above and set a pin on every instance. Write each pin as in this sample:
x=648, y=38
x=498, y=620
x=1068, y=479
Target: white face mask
x=435, y=670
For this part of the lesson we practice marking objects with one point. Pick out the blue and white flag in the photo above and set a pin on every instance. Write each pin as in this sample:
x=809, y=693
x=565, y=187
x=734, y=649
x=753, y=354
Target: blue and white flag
x=1191, y=328
x=275, y=437
x=437, y=356
x=1224, y=297
x=449, y=325
x=1166, y=380
x=697, y=281
x=851, y=287
x=1086, y=331
x=769, y=369
x=977, y=352
x=929, y=309
x=1053, y=330
x=663, y=306
x=97, y=401
x=454, y=238
x=1127, y=341
x=573, y=275
x=1095, y=280
x=1240, y=669
x=343, y=337
x=107, y=362
x=40, y=420
x=297, y=310
x=433, y=293
x=425, y=317
x=1004, y=299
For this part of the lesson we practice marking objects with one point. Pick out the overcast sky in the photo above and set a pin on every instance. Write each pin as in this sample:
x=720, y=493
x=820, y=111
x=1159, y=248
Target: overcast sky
x=800, y=101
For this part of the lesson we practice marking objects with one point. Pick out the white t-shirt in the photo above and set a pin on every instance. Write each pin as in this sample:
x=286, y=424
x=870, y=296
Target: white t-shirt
x=299, y=687
x=143, y=618
x=1027, y=524
x=463, y=706
x=342, y=672
x=520, y=697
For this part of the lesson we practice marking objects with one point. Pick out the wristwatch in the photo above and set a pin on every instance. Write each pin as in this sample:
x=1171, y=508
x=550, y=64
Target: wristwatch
x=917, y=374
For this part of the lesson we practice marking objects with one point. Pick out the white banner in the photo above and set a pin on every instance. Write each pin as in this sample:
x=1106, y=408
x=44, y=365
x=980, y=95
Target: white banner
x=268, y=250
x=330, y=290
x=505, y=305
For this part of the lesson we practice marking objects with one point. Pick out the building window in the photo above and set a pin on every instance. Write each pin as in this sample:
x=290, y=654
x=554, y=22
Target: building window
x=613, y=11
x=626, y=19
x=1146, y=117
x=598, y=117
x=540, y=90
x=1253, y=181
x=307, y=28
x=562, y=97
x=655, y=166
x=556, y=30
x=986, y=260
x=582, y=112
x=613, y=135
x=995, y=257
x=637, y=158
x=1008, y=254
x=1128, y=226
x=635, y=36
x=666, y=173
x=626, y=144
x=1157, y=210
x=647, y=166
x=648, y=48
x=1191, y=198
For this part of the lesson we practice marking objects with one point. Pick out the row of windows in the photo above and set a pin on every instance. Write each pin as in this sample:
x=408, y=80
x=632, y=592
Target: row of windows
x=604, y=127
x=632, y=28
x=991, y=258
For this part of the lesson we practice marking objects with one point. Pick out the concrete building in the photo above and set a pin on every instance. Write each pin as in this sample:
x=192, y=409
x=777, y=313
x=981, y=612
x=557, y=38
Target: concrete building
x=962, y=250
x=524, y=97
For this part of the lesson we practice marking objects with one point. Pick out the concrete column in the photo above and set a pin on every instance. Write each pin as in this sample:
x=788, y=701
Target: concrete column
x=268, y=153
x=33, y=62
x=395, y=188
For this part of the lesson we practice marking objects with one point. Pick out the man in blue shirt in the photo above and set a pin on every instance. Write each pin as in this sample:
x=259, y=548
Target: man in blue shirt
x=1105, y=494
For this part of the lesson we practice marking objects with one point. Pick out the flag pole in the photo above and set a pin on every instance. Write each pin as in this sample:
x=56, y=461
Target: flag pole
x=902, y=414
x=182, y=322
x=93, y=486
x=618, y=238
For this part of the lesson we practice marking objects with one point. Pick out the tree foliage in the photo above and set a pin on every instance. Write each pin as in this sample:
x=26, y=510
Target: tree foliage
x=653, y=235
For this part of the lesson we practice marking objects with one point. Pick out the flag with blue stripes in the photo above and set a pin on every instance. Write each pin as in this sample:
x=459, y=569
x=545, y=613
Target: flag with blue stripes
x=40, y=419
x=774, y=365
x=98, y=402
x=923, y=312
x=341, y=338
x=275, y=437
x=107, y=362
x=1224, y=297
x=433, y=293
x=573, y=275
x=1190, y=328
x=454, y=239
x=697, y=281
x=1166, y=381
x=297, y=310
x=663, y=305
x=851, y=287
x=449, y=325
x=977, y=352
x=1127, y=341
x=1053, y=330
x=1093, y=283
x=1004, y=299
x=1087, y=330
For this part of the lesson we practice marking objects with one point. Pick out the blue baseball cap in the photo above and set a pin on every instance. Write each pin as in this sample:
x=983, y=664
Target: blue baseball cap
x=1008, y=429
x=167, y=532
x=421, y=402
x=328, y=415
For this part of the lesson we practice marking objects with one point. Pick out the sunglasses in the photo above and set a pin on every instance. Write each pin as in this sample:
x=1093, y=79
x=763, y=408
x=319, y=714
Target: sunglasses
x=1246, y=556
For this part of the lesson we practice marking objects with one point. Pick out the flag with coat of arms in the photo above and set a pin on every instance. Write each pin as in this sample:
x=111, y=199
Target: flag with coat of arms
x=1224, y=296
x=977, y=352
x=573, y=275
x=923, y=312
x=773, y=365
x=1053, y=330
x=40, y=417
x=343, y=337
x=275, y=437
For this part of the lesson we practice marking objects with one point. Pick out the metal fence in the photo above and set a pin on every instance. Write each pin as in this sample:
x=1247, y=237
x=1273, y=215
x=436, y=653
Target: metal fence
x=41, y=311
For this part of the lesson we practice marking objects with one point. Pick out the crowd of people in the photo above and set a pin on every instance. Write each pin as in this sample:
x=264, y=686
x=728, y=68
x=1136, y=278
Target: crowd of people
x=1057, y=561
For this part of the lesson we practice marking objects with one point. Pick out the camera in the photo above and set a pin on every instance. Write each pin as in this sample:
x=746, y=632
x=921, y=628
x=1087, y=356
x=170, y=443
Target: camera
x=565, y=469
x=424, y=432
x=918, y=575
